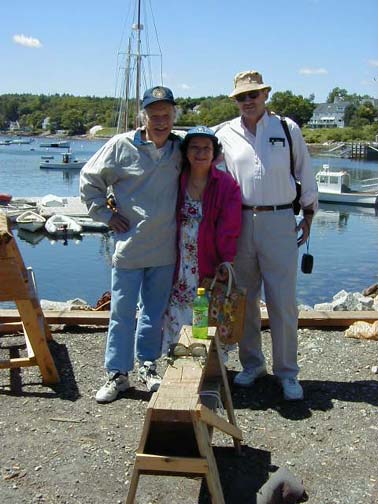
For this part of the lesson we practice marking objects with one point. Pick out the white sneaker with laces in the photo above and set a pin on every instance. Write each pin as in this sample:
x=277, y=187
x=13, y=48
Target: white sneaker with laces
x=292, y=389
x=116, y=383
x=248, y=376
x=147, y=374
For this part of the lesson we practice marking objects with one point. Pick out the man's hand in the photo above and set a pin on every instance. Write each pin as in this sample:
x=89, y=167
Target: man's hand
x=304, y=226
x=118, y=223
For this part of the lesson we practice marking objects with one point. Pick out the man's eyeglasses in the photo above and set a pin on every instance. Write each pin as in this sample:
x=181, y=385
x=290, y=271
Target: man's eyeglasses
x=251, y=95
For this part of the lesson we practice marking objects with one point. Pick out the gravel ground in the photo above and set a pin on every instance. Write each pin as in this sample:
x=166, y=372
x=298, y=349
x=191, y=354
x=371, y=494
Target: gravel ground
x=59, y=446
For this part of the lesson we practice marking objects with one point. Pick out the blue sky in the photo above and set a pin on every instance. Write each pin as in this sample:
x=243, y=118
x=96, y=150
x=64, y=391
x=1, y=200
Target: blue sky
x=306, y=46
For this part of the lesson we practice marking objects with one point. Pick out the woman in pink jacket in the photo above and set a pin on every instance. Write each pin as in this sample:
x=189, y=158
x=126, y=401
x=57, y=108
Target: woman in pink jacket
x=208, y=224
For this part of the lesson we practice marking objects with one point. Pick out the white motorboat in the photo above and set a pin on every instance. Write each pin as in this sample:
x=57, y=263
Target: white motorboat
x=62, y=225
x=335, y=187
x=67, y=160
x=30, y=221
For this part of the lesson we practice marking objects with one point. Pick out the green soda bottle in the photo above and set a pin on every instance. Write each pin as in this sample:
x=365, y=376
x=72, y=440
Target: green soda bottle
x=200, y=315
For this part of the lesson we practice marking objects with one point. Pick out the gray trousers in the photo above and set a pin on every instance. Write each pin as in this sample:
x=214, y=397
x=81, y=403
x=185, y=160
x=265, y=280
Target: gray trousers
x=268, y=255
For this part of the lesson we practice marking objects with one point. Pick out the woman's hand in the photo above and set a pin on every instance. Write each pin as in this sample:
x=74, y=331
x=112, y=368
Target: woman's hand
x=221, y=273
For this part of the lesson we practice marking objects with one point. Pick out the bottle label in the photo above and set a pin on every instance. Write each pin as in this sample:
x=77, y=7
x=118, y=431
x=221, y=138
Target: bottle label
x=200, y=318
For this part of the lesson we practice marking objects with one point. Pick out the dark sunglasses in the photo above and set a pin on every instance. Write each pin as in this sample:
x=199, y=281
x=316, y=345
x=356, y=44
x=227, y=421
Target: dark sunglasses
x=251, y=95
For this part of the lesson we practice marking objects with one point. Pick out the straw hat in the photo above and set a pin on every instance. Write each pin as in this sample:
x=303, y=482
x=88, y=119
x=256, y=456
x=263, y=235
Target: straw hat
x=248, y=81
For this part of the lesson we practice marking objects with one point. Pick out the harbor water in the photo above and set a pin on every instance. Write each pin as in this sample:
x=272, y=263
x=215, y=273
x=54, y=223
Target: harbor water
x=344, y=239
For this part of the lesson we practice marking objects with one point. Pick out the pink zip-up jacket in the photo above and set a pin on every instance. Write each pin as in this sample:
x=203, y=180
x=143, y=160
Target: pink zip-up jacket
x=221, y=221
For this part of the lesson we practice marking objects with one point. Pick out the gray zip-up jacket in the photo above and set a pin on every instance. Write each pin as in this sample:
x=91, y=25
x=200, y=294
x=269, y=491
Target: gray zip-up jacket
x=144, y=184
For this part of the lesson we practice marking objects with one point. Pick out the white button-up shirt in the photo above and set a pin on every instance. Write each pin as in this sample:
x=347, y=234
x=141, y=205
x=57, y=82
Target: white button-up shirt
x=261, y=164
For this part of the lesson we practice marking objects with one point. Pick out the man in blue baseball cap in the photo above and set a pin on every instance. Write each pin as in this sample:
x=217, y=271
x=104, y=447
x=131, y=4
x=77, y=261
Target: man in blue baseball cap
x=141, y=168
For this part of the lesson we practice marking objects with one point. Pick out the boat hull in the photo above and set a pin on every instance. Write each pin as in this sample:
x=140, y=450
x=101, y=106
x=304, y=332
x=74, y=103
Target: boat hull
x=350, y=198
x=32, y=227
x=65, y=166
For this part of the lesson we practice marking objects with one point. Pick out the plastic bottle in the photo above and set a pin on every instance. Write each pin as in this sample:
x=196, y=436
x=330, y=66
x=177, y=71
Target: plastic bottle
x=200, y=315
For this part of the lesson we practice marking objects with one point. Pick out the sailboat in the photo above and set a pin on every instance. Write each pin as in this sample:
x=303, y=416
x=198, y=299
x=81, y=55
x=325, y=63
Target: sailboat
x=137, y=68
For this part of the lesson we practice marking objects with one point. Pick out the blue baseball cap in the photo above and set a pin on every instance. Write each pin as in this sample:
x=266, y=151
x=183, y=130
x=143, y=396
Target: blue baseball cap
x=200, y=131
x=156, y=94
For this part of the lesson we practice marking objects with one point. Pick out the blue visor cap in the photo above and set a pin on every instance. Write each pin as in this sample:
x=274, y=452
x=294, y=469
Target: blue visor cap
x=156, y=94
x=201, y=131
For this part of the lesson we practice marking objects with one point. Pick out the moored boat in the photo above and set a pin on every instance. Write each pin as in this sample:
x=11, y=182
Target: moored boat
x=335, y=187
x=60, y=144
x=67, y=160
x=89, y=224
x=30, y=221
x=62, y=225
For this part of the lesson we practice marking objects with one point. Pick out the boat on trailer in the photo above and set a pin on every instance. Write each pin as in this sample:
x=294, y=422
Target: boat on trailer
x=335, y=187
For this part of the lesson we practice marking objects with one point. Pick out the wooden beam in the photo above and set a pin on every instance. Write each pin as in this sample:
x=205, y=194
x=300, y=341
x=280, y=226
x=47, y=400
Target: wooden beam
x=101, y=318
x=211, y=418
x=160, y=463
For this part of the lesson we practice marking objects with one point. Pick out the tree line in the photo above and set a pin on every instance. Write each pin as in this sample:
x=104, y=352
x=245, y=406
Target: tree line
x=77, y=114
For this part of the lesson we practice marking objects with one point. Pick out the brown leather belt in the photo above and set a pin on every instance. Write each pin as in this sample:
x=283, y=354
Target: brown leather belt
x=267, y=208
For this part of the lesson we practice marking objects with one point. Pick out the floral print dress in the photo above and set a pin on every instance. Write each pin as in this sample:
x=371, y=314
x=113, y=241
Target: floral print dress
x=184, y=290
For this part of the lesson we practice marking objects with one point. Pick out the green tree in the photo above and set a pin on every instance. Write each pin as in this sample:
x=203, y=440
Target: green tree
x=285, y=103
x=337, y=93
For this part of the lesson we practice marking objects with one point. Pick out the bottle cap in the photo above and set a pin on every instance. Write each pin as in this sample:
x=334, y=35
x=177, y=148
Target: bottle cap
x=201, y=291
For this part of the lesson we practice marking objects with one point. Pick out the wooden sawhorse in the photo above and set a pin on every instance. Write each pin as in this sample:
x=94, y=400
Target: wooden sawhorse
x=17, y=284
x=181, y=416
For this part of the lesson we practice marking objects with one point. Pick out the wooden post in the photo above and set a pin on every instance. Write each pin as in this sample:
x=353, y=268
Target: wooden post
x=17, y=284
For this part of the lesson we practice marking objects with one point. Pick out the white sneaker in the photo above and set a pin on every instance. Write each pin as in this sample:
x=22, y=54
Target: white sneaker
x=116, y=383
x=247, y=377
x=292, y=389
x=147, y=374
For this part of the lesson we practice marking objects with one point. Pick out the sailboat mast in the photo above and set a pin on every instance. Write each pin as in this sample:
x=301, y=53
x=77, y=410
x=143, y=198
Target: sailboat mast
x=138, y=70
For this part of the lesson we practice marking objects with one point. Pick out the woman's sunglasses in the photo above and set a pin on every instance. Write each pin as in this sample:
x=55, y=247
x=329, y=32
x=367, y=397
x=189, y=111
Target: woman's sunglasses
x=251, y=95
x=193, y=350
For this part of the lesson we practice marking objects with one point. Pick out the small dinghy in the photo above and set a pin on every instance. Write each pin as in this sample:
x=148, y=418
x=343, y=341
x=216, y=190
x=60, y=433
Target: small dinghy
x=30, y=221
x=62, y=225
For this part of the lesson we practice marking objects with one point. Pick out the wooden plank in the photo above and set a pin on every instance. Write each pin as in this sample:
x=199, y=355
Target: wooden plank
x=211, y=418
x=145, y=462
x=13, y=284
x=18, y=362
x=101, y=318
x=11, y=328
x=205, y=449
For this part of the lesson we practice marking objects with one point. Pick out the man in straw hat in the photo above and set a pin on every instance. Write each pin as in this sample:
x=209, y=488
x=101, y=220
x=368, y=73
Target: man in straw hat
x=257, y=154
x=142, y=169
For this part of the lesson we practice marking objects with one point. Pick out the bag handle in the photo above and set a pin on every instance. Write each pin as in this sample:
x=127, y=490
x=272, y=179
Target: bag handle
x=231, y=278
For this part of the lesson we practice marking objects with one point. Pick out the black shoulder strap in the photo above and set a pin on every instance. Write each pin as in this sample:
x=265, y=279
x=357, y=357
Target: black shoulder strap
x=288, y=136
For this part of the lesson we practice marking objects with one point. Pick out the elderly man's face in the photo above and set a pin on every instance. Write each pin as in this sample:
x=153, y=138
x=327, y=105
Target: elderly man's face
x=160, y=117
x=252, y=107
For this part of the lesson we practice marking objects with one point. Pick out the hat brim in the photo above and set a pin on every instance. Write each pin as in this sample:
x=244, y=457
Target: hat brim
x=146, y=103
x=245, y=88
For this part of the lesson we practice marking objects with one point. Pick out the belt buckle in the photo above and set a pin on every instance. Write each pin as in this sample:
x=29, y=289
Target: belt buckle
x=255, y=208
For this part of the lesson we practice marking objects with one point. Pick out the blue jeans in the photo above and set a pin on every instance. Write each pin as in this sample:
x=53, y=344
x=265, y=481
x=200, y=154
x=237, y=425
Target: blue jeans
x=153, y=285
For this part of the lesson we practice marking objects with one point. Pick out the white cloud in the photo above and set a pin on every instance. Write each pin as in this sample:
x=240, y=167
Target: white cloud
x=313, y=71
x=185, y=86
x=27, y=41
x=373, y=62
